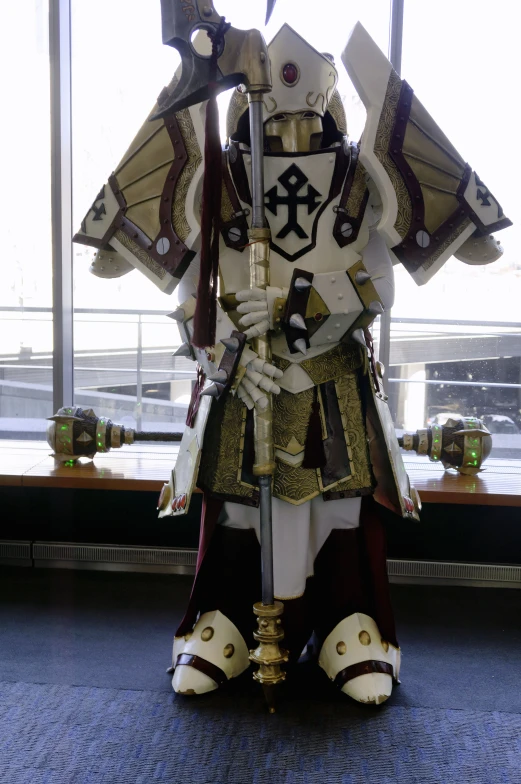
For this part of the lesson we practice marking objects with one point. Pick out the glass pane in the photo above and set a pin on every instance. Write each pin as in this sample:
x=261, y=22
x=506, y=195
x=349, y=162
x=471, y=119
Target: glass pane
x=26, y=291
x=123, y=342
x=461, y=332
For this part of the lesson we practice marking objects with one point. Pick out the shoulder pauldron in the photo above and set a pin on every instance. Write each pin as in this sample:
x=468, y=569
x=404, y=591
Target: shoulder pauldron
x=148, y=210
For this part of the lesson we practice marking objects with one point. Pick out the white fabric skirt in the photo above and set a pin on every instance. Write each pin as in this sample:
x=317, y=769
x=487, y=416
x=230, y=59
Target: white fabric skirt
x=298, y=535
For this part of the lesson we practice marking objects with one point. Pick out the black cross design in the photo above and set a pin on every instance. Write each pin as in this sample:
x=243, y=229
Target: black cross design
x=292, y=180
x=483, y=197
x=99, y=211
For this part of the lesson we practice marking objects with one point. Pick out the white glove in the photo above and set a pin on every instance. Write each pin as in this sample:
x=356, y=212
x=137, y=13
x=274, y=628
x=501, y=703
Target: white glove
x=254, y=303
x=259, y=376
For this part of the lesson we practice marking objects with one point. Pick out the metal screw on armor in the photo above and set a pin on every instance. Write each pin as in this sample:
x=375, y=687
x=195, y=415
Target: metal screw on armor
x=234, y=234
x=163, y=245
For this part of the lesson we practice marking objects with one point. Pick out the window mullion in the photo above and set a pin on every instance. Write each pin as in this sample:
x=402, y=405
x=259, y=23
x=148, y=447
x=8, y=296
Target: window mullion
x=395, y=56
x=61, y=200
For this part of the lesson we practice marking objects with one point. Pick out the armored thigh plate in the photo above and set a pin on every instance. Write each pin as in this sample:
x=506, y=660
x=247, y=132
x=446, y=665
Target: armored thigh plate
x=393, y=486
x=177, y=492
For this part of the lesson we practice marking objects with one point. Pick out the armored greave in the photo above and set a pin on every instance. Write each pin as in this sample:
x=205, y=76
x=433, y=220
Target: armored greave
x=350, y=576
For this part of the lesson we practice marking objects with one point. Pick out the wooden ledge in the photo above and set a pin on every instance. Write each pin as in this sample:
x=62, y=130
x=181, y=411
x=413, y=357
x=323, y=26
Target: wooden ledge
x=145, y=467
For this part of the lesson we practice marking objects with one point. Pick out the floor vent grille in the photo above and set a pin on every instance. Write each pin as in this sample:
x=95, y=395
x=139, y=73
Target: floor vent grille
x=114, y=557
x=16, y=553
x=68, y=555
x=448, y=572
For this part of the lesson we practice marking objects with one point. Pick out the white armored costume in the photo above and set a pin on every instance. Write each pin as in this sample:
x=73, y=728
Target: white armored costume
x=340, y=214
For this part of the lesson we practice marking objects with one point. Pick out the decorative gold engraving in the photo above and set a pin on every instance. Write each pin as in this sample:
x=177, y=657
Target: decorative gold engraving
x=221, y=463
x=334, y=363
x=357, y=192
x=227, y=211
x=290, y=418
x=313, y=102
x=186, y=127
x=140, y=254
x=295, y=484
x=448, y=242
x=236, y=108
x=336, y=110
x=381, y=149
x=273, y=102
x=221, y=471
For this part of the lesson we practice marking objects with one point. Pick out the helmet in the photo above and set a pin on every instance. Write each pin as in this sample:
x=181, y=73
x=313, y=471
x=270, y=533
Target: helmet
x=303, y=111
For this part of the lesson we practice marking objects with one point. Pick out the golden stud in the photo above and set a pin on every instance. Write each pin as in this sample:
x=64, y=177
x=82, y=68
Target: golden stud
x=364, y=638
x=229, y=650
x=341, y=648
x=207, y=634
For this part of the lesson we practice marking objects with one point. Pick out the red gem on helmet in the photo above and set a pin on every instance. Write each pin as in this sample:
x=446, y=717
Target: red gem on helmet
x=409, y=506
x=290, y=73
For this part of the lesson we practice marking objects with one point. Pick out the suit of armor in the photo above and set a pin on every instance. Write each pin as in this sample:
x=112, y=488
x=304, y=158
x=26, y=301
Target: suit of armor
x=340, y=215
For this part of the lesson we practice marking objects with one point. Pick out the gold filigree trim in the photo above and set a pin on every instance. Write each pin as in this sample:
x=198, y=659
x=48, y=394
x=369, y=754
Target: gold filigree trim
x=350, y=405
x=291, y=414
x=312, y=103
x=227, y=211
x=193, y=151
x=221, y=461
x=381, y=149
x=357, y=192
x=332, y=364
x=448, y=242
x=280, y=363
x=236, y=108
x=221, y=464
x=337, y=112
x=140, y=254
x=295, y=484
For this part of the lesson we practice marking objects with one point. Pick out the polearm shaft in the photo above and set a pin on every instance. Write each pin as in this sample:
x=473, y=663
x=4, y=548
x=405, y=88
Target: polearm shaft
x=264, y=464
x=268, y=655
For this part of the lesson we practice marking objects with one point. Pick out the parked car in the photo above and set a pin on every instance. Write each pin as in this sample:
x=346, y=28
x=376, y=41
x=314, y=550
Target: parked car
x=499, y=423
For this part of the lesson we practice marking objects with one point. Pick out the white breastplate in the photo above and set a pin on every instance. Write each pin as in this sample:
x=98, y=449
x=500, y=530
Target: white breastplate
x=301, y=218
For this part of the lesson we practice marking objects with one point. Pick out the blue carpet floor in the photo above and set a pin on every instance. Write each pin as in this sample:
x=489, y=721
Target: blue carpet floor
x=77, y=735
x=84, y=698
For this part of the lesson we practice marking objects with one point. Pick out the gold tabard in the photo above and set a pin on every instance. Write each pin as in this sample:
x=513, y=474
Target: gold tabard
x=225, y=472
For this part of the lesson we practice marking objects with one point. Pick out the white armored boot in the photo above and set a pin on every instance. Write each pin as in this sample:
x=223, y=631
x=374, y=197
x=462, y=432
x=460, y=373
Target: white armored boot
x=360, y=663
x=208, y=656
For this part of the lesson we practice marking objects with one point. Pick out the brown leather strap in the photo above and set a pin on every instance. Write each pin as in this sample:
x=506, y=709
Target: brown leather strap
x=204, y=666
x=362, y=668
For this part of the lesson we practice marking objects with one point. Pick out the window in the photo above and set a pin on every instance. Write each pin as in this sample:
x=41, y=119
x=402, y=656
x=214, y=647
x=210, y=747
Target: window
x=456, y=342
x=123, y=341
x=26, y=292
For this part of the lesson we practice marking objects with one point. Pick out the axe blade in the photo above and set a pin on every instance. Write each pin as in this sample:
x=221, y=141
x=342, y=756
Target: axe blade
x=269, y=10
x=242, y=58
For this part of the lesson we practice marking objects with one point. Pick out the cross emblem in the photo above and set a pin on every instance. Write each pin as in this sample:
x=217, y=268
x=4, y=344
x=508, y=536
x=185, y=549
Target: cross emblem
x=99, y=211
x=292, y=181
x=483, y=195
